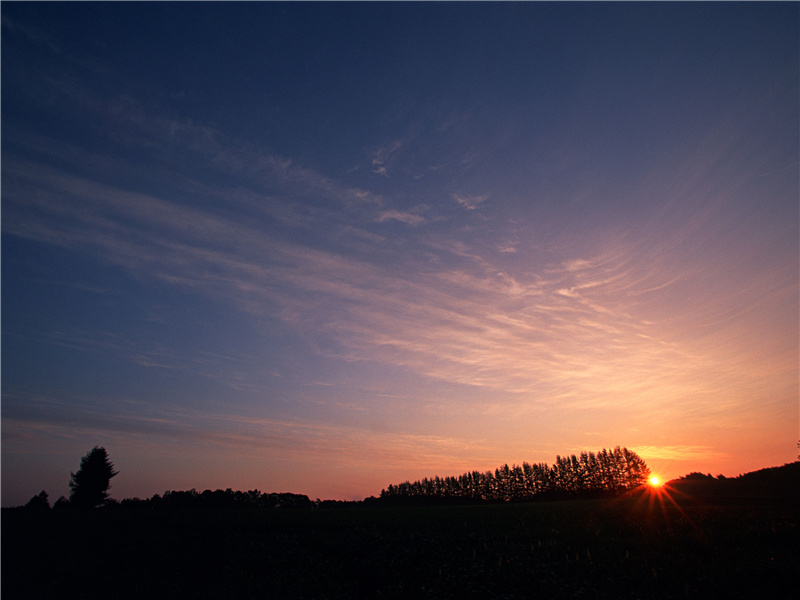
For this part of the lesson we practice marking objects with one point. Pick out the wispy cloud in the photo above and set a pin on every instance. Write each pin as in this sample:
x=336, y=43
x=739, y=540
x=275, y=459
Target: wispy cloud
x=595, y=324
x=383, y=157
x=569, y=336
x=404, y=217
x=508, y=248
x=684, y=453
x=470, y=202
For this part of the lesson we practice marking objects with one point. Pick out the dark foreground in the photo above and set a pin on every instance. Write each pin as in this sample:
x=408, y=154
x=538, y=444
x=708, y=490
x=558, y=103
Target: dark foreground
x=572, y=549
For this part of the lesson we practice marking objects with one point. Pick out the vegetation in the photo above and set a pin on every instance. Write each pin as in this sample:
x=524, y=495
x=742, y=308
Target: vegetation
x=39, y=501
x=696, y=537
x=602, y=473
x=220, y=499
x=772, y=482
x=589, y=474
x=89, y=486
x=629, y=547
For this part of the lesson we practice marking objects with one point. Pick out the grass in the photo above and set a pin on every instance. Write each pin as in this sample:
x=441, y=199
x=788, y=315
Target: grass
x=572, y=549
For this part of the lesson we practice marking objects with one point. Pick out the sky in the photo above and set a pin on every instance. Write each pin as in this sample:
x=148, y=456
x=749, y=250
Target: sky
x=324, y=248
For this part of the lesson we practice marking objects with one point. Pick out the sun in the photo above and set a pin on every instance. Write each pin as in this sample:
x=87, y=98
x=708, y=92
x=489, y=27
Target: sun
x=654, y=481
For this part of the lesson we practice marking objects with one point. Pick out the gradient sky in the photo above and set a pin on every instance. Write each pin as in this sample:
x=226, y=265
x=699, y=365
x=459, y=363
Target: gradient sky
x=323, y=248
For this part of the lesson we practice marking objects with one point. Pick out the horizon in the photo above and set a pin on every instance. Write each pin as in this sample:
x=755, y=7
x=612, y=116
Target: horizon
x=324, y=248
x=651, y=482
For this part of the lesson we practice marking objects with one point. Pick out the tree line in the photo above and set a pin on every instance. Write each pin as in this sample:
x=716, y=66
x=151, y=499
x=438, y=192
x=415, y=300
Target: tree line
x=604, y=472
x=90, y=484
x=220, y=499
x=600, y=473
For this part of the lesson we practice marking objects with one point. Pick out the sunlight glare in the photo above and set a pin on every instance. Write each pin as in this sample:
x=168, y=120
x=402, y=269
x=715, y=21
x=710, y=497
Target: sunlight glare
x=654, y=481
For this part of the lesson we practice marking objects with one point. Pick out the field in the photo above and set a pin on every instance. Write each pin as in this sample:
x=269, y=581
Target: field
x=628, y=548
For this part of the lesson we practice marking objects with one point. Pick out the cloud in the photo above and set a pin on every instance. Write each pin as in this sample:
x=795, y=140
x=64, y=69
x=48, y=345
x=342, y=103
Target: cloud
x=384, y=156
x=469, y=202
x=276, y=238
x=576, y=264
x=687, y=453
x=404, y=217
x=568, y=337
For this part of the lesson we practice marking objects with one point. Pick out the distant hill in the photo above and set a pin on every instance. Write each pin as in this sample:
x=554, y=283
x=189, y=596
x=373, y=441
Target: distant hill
x=772, y=482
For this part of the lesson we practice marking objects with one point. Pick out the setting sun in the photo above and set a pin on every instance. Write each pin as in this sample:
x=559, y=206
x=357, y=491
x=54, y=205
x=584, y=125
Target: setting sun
x=654, y=481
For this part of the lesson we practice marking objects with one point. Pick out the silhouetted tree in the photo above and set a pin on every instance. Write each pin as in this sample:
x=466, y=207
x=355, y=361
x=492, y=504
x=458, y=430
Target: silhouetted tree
x=62, y=502
x=89, y=486
x=39, y=501
x=697, y=476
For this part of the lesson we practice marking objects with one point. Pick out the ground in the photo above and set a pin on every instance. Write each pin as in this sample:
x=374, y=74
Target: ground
x=624, y=548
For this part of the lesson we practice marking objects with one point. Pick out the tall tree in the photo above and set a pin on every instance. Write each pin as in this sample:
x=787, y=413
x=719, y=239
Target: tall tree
x=89, y=486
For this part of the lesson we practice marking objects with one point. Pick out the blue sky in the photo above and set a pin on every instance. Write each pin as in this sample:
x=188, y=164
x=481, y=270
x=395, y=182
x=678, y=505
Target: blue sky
x=323, y=248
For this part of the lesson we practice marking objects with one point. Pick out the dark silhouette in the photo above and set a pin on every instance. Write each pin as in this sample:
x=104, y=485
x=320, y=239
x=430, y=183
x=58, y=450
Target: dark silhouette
x=90, y=484
x=220, y=499
x=39, y=502
x=607, y=472
x=212, y=545
x=772, y=482
x=62, y=502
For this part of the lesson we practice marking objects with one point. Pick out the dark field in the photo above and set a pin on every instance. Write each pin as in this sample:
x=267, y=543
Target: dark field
x=570, y=549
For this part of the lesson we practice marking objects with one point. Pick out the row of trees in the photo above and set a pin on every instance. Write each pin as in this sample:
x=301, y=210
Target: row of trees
x=607, y=471
x=220, y=499
x=192, y=499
